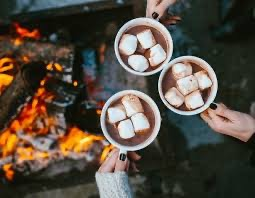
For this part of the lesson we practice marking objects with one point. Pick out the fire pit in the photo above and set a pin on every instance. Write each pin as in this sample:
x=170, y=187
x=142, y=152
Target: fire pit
x=34, y=129
x=49, y=117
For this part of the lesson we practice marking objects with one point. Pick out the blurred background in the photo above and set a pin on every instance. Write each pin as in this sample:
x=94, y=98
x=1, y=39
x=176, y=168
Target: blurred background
x=51, y=143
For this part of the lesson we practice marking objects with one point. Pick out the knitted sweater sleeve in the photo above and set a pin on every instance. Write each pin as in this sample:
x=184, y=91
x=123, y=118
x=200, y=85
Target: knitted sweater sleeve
x=113, y=185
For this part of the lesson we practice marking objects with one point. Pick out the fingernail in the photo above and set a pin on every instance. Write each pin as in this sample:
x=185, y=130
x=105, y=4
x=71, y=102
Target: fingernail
x=155, y=15
x=123, y=157
x=213, y=106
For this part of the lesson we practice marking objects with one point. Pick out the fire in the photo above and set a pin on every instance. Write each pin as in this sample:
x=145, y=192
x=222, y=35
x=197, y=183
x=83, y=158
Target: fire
x=29, y=153
x=6, y=65
x=25, y=33
x=13, y=146
x=31, y=112
x=105, y=152
x=9, y=173
x=54, y=66
x=75, y=83
x=77, y=141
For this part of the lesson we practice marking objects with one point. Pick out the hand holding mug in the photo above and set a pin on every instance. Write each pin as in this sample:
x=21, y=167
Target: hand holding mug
x=229, y=122
x=157, y=9
x=116, y=162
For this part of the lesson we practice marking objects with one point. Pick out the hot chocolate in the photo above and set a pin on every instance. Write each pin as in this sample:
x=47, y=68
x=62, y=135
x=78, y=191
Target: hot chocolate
x=151, y=45
x=134, y=119
x=183, y=95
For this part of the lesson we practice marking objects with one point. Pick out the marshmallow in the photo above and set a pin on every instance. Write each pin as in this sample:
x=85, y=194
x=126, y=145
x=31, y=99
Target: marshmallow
x=132, y=105
x=203, y=80
x=174, y=97
x=128, y=44
x=157, y=55
x=146, y=39
x=138, y=62
x=187, y=85
x=116, y=113
x=194, y=100
x=140, y=122
x=126, y=129
x=181, y=70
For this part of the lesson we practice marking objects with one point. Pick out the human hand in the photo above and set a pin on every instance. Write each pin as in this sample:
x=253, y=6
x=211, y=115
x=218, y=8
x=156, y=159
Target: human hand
x=157, y=9
x=229, y=122
x=114, y=164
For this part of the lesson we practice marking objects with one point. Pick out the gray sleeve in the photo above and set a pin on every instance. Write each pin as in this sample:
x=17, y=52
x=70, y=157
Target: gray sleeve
x=113, y=185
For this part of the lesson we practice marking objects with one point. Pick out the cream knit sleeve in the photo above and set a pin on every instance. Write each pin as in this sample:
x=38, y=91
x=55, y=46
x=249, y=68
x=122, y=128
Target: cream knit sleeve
x=113, y=185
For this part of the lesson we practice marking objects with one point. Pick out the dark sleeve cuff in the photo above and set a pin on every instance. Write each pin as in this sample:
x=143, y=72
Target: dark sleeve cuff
x=252, y=159
x=251, y=142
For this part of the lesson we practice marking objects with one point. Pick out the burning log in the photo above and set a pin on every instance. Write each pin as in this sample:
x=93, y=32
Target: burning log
x=27, y=51
x=40, y=143
x=86, y=115
x=20, y=91
x=5, y=160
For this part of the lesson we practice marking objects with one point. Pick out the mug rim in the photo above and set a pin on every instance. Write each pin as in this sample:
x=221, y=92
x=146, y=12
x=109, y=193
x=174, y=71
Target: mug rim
x=206, y=67
x=163, y=30
x=153, y=106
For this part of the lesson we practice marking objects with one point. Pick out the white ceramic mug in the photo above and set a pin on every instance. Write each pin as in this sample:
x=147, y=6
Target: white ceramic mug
x=144, y=22
x=202, y=64
x=103, y=119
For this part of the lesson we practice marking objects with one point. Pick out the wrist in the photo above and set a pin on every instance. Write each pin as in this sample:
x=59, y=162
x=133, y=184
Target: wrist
x=251, y=134
x=253, y=128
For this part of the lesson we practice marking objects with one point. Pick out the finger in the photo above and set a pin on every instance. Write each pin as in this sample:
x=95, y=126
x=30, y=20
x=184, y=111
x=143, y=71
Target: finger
x=134, y=167
x=161, y=8
x=218, y=123
x=223, y=111
x=170, y=20
x=223, y=105
x=205, y=116
x=121, y=163
x=133, y=156
x=109, y=163
x=151, y=5
x=177, y=18
x=128, y=165
x=214, y=117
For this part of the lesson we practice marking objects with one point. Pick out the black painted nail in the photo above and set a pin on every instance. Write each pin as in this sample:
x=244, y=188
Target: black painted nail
x=155, y=15
x=213, y=106
x=123, y=157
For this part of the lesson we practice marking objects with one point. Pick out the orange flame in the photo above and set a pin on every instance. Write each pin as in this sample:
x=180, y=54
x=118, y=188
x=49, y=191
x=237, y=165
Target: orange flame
x=25, y=33
x=6, y=64
x=9, y=173
x=29, y=154
x=77, y=141
x=54, y=66
x=75, y=83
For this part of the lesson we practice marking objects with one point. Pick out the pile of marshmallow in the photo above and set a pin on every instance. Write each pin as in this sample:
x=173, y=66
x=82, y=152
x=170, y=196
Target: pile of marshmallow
x=130, y=44
x=128, y=117
x=188, y=87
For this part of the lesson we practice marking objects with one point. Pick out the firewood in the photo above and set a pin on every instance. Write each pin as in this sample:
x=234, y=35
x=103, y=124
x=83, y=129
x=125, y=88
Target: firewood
x=20, y=91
